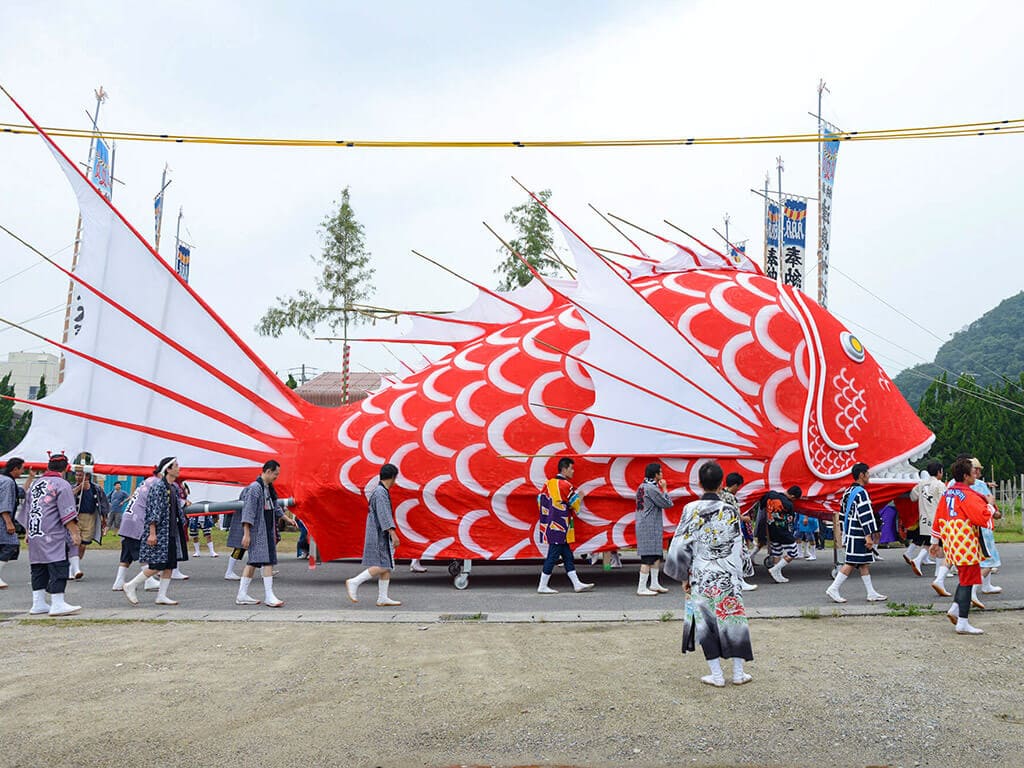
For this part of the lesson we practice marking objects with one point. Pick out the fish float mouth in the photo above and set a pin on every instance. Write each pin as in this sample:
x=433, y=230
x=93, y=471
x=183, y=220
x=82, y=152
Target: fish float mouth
x=899, y=468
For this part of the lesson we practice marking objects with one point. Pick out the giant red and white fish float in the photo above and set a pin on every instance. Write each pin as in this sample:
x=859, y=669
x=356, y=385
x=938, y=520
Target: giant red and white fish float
x=682, y=360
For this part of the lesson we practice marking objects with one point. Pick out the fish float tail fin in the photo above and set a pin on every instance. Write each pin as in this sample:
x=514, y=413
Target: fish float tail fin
x=150, y=369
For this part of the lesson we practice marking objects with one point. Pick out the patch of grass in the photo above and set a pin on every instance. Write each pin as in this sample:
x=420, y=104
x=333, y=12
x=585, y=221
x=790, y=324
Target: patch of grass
x=479, y=616
x=906, y=609
x=810, y=613
x=667, y=616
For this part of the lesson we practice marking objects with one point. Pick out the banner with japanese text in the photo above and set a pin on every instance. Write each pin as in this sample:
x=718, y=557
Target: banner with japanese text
x=794, y=241
x=771, y=239
x=829, y=154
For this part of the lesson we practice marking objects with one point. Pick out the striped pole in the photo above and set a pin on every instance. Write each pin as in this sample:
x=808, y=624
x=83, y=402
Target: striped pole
x=344, y=375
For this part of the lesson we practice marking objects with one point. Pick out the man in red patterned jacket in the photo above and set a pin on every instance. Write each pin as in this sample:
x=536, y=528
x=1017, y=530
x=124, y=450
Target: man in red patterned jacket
x=961, y=512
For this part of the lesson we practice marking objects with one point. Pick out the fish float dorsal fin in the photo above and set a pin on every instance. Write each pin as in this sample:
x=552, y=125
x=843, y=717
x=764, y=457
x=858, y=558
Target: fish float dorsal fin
x=642, y=346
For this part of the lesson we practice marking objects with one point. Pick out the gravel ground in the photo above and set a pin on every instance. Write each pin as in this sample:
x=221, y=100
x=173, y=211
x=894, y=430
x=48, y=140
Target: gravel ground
x=902, y=691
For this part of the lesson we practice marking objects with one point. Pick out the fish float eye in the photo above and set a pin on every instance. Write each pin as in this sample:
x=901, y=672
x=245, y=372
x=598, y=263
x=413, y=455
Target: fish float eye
x=852, y=346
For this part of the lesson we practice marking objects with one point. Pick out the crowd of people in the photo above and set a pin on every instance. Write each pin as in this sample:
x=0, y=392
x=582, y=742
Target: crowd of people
x=712, y=552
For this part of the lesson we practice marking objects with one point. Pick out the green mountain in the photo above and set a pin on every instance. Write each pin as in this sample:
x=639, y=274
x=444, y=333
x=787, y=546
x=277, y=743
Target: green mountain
x=988, y=349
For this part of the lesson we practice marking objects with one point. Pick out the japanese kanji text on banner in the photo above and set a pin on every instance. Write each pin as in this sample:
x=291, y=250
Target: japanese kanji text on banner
x=771, y=239
x=794, y=241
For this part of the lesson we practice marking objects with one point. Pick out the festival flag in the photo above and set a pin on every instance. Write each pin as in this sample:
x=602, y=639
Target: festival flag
x=738, y=253
x=829, y=154
x=794, y=241
x=771, y=239
x=158, y=216
x=182, y=259
x=99, y=175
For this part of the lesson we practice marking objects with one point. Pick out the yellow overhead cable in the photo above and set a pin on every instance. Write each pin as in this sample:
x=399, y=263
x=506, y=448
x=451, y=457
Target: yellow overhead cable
x=956, y=130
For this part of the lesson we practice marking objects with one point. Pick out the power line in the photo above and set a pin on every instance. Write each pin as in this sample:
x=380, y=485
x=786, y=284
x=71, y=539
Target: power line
x=926, y=330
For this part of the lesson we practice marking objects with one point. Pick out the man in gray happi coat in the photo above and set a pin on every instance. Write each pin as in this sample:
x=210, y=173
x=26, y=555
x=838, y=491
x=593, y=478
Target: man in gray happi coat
x=380, y=542
x=651, y=499
x=257, y=522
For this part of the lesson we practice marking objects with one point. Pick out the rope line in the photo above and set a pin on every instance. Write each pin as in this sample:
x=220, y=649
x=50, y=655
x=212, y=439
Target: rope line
x=954, y=130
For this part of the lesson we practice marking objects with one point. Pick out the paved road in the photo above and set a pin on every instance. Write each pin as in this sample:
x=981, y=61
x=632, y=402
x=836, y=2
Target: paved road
x=497, y=591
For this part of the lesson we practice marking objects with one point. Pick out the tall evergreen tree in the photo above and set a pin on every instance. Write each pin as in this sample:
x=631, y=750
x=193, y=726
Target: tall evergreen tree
x=533, y=242
x=345, y=279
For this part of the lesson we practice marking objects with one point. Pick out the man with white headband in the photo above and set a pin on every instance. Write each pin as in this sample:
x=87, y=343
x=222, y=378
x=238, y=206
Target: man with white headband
x=165, y=544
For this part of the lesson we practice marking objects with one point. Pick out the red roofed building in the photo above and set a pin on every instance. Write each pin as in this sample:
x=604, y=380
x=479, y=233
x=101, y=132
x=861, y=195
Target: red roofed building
x=325, y=389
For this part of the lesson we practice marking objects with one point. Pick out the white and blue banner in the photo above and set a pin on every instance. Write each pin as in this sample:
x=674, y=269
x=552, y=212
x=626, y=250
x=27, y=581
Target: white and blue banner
x=771, y=239
x=181, y=262
x=794, y=241
x=100, y=175
x=829, y=154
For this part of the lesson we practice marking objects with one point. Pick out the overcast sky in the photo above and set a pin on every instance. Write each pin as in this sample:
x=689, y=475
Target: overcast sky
x=930, y=226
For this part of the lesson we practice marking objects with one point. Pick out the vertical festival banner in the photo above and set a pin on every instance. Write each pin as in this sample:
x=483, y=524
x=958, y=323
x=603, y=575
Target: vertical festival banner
x=829, y=154
x=100, y=173
x=771, y=239
x=738, y=253
x=182, y=259
x=158, y=218
x=794, y=241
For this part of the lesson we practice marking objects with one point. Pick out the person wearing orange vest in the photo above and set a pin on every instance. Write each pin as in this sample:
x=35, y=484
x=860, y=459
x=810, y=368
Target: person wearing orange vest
x=955, y=534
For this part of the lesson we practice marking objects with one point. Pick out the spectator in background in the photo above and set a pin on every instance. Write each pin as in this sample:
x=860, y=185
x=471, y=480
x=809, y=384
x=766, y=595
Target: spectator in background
x=118, y=498
x=93, y=509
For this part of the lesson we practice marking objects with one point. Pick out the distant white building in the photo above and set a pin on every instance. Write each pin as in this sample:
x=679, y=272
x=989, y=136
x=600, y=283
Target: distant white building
x=26, y=368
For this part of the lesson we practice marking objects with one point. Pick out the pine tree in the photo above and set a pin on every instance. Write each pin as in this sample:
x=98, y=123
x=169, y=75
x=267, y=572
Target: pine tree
x=533, y=243
x=345, y=279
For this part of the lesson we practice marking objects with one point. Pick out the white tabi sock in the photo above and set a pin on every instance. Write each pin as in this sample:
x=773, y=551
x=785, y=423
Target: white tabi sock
x=74, y=565
x=196, y=545
x=737, y=667
x=162, y=593
x=838, y=582
x=382, y=589
x=2, y=564
x=574, y=578
x=912, y=550
x=139, y=578
x=654, y=579
x=715, y=665
x=268, y=588
x=39, y=601
x=642, y=585
x=243, y=587
x=867, y=583
x=941, y=569
x=209, y=544
x=119, y=579
x=363, y=576
x=231, y=567
x=986, y=581
x=920, y=558
x=544, y=579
